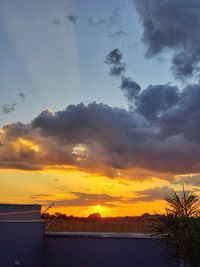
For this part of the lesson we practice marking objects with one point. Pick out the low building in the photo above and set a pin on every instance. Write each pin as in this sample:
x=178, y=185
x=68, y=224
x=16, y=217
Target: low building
x=21, y=236
x=19, y=212
x=23, y=242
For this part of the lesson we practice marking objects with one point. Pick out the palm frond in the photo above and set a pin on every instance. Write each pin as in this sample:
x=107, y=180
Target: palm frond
x=179, y=228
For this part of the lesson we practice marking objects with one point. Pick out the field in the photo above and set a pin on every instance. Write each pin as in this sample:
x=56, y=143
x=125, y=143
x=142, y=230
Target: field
x=99, y=225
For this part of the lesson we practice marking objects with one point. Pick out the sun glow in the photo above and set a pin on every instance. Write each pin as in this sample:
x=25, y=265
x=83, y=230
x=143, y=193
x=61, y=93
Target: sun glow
x=104, y=211
x=55, y=185
x=29, y=144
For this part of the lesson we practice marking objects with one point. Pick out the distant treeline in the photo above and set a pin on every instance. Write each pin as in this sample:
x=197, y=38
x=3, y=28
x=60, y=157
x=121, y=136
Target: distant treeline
x=96, y=216
x=95, y=223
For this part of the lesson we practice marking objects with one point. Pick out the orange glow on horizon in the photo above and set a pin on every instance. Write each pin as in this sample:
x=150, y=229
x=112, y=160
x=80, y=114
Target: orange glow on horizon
x=118, y=211
x=55, y=185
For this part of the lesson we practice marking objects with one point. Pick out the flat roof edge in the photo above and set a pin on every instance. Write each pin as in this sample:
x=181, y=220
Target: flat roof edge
x=99, y=234
x=22, y=205
x=21, y=221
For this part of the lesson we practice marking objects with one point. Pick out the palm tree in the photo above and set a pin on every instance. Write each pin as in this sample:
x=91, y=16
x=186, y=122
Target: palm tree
x=179, y=228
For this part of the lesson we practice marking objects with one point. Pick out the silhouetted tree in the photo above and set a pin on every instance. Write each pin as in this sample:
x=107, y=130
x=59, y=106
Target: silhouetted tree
x=179, y=228
x=95, y=216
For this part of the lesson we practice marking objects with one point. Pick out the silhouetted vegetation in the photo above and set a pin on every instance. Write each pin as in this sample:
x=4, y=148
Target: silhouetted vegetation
x=179, y=228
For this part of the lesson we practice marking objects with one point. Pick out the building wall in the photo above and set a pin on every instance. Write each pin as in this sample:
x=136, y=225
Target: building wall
x=79, y=250
x=25, y=241
x=22, y=241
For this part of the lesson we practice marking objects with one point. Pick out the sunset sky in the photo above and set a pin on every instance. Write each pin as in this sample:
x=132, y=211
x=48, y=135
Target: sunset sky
x=99, y=103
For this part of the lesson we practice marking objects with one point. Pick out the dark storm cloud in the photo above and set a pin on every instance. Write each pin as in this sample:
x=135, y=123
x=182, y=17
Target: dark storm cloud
x=130, y=89
x=160, y=134
x=114, y=60
x=175, y=114
x=184, y=117
x=152, y=194
x=106, y=132
x=94, y=138
x=84, y=199
x=98, y=122
x=155, y=100
x=172, y=25
x=171, y=110
x=17, y=130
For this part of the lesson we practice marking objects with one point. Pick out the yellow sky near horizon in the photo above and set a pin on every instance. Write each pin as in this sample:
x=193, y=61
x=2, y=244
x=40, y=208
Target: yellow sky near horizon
x=47, y=186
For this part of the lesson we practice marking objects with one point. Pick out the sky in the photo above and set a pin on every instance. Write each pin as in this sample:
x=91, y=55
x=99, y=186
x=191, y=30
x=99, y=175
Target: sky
x=99, y=103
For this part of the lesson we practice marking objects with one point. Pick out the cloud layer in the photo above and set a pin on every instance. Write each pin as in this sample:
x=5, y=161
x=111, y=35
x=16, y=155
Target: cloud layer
x=85, y=199
x=152, y=194
x=161, y=139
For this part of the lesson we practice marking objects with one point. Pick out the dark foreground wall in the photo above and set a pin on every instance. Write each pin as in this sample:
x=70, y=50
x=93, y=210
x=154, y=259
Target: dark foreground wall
x=22, y=241
x=68, y=250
